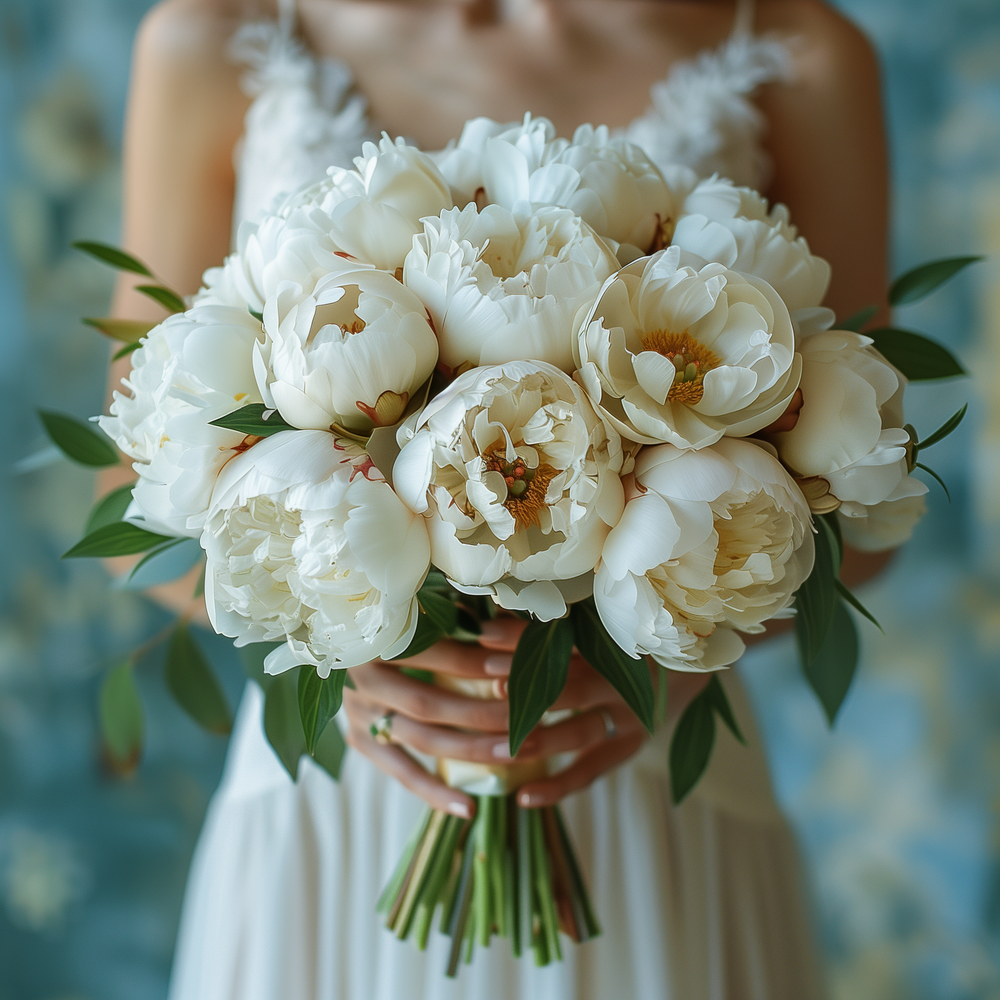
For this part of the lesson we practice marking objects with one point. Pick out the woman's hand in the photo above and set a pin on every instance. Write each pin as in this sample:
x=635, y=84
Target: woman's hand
x=603, y=730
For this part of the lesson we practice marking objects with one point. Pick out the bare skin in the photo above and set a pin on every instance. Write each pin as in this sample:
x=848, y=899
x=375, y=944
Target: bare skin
x=425, y=67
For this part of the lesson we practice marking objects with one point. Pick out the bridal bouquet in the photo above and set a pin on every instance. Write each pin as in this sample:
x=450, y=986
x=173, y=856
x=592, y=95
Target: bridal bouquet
x=528, y=375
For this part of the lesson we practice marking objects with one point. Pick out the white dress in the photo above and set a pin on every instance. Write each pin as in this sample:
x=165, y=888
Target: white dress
x=700, y=902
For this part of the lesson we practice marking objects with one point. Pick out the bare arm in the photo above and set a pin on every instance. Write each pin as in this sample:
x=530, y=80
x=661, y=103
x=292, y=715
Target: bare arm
x=185, y=113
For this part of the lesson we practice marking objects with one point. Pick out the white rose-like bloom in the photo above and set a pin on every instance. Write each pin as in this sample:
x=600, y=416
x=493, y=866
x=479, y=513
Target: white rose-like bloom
x=503, y=286
x=609, y=182
x=517, y=476
x=686, y=354
x=351, y=350
x=709, y=541
x=306, y=543
x=850, y=427
x=193, y=368
x=373, y=212
x=733, y=226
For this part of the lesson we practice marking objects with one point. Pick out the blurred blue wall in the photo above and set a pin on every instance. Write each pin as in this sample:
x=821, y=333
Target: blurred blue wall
x=896, y=807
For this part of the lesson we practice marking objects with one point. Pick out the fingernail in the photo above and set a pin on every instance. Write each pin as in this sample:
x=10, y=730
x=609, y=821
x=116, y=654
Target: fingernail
x=527, y=801
x=498, y=664
x=502, y=750
x=460, y=809
x=499, y=690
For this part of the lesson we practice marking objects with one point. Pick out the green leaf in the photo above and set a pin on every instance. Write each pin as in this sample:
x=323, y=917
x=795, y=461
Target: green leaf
x=439, y=609
x=192, y=682
x=121, y=715
x=918, y=357
x=256, y=315
x=436, y=580
x=153, y=553
x=856, y=322
x=249, y=420
x=720, y=702
x=113, y=256
x=831, y=671
x=282, y=722
x=944, y=430
x=78, y=440
x=170, y=300
x=537, y=675
x=691, y=745
x=330, y=750
x=846, y=594
x=126, y=350
x=816, y=599
x=126, y=330
x=110, y=509
x=931, y=472
x=320, y=699
x=921, y=281
x=252, y=657
x=426, y=635
x=121, y=539
x=629, y=676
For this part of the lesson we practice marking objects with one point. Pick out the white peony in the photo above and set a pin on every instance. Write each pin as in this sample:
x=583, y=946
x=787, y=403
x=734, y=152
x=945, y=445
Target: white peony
x=518, y=479
x=351, y=350
x=504, y=286
x=685, y=354
x=849, y=432
x=609, y=182
x=888, y=524
x=193, y=368
x=709, y=541
x=733, y=226
x=307, y=543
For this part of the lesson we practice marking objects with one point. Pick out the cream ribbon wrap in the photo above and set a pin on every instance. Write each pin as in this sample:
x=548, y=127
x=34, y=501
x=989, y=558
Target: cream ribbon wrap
x=494, y=779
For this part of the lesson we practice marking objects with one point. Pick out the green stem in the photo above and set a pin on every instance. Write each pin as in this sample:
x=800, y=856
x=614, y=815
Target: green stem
x=391, y=892
x=460, y=919
x=592, y=927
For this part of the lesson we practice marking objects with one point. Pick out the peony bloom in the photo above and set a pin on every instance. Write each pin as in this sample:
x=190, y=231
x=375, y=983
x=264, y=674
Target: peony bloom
x=193, y=368
x=609, y=182
x=849, y=444
x=503, y=286
x=709, y=541
x=888, y=524
x=732, y=226
x=685, y=354
x=351, y=350
x=307, y=543
x=518, y=479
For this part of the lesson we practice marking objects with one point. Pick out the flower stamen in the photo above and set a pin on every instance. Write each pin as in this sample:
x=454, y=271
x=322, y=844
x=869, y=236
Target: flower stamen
x=526, y=488
x=690, y=359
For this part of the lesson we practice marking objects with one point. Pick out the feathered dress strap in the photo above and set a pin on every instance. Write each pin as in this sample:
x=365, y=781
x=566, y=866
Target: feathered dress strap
x=702, y=115
x=305, y=116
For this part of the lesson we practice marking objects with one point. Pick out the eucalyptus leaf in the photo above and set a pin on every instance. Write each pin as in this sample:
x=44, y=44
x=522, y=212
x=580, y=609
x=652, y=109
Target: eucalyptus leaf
x=249, y=420
x=110, y=509
x=193, y=683
x=857, y=322
x=931, y=472
x=126, y=350
x=320, y=699
x=121, y=717
x=918, y=357
x=167, y=298
x=78, y=440
x=282, y=722
x=537, y=675
x=120, y=539
x=126, y=330
x=439, y=609
x=921, y=281
x=166, y=562
x=831, y=671
x=629, y=676
x=816, y=599
x=113, y=256
x=846, y=594
x=691, y=745
x=944, y=430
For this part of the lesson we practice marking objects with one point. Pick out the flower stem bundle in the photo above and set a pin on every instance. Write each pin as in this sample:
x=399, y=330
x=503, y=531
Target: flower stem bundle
x=508, y=872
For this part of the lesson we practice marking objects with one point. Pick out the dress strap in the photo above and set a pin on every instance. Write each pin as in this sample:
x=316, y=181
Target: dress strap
x=742, y=22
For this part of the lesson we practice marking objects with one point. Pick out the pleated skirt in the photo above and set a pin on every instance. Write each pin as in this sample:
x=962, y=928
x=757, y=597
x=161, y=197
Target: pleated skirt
x=703, y=901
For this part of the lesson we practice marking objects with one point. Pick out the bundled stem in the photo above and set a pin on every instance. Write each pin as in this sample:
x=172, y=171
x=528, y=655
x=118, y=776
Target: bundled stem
x=509, y=872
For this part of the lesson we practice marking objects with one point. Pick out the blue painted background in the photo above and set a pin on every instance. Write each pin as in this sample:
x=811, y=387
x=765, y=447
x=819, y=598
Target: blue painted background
x=896, y=807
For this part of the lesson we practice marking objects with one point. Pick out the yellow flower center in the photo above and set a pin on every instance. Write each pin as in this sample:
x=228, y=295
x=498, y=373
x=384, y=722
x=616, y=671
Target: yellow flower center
x=691, y=360
x=526, y=488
